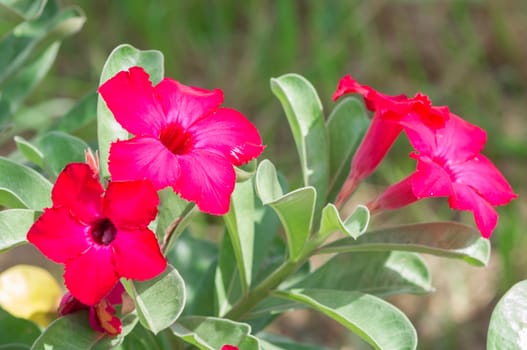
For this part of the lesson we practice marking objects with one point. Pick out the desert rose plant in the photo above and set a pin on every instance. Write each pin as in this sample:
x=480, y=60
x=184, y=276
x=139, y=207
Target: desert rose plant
x=125, y=216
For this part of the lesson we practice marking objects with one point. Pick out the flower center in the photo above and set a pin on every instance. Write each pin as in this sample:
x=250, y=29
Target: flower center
x=175, y=139
x=104, y=232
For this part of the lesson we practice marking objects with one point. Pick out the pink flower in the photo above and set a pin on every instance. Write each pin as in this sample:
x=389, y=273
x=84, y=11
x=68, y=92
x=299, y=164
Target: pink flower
x=389, y=112
x=182, y=138
x=99, y=235
x=449, y=164
x=100, y=316
x=229, y=347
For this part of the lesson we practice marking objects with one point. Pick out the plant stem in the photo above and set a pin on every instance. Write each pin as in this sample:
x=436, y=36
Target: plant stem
x=169, y=232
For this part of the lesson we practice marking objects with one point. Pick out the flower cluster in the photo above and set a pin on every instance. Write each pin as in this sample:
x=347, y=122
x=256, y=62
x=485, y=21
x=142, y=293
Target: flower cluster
x=183, y=139
x=447, y=150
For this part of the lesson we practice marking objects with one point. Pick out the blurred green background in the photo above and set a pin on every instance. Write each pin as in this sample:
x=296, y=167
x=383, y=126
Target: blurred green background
x=470, y=55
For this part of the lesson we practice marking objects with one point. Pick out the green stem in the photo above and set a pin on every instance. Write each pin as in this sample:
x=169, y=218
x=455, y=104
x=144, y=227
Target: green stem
x=172, y=228
x=262, y=290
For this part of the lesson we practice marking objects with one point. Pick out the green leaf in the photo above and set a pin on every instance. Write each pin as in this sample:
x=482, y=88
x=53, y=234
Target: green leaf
x=16, y=330
x=507, y=329
x=12, y=12
x=15, y=91
x=346, y=126
x=22, y=187
x=196, y=261
x=71, y=332
x=30, y=151
x=228, y=286
x=122, y=57
x=277, y=342
x=377, y=322
x=60, y=149
x=80, y=116
x=14, y=225
x=240, y=226
x=354, y=226
x=295, y=209
x=40, y=116
x=303, y=109
x=158, y=301
x=171, y=206
x=378, y=273
x=447, y=239
x=210, y=333
x=28, y=39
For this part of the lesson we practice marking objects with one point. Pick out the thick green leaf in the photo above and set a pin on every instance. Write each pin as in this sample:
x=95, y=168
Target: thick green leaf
x=196, y=260
x=507, y=329
x=40, y=116
x=346, y=126
x=30, y=151
x=14, y=225
x=60, y=149
x=15, y=91
x=377, y=322
x=210, y=333
x=240, y=226
x=71, y=332
x=28, y=39
x=379, y=273
x=295, y=209
x=22, y=187
x=448, y=239
x=122, y=57
x=16, y=331
x=12, y=12
x=303, y=109
x=354, y=226
x=158, y=301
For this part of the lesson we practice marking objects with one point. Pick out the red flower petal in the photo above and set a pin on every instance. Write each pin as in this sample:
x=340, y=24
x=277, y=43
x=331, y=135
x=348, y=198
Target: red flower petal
x=185, y=105
x=207, y=179
x=465, y=198
x=430, y=180
x=78, y=189
x=130, y=204
x=137, y=254
x=481, y=175
x=91, y=276
x=131, y=98
x=144, y=158
x=58, y=235
x=230, y=133
x=229, y=347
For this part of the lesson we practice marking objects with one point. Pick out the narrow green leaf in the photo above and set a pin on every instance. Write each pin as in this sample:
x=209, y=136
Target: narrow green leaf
x=60, y=149
x=16, y=331
x=210, y=333
x=12, y=12
x=121, y=58
x=169, y=288
x=28, y=39
x=277, y=342
x=22, y=187
x=15, y=91
x=295, y=209
x=171, y=206
x=354, y=226
x=40, y=116
x=446, y=239
x=196, y=261
x=507, y=329
x=30, y=151
x=228, y=287
x=303, y=109
x=378, y=273
x=240, y=226
x=80, y=116
x=377, y=322
x=346, y=126
x=14, y=225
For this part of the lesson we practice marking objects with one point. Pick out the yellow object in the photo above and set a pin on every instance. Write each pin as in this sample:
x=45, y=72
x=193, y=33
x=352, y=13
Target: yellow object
x=29, y=292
